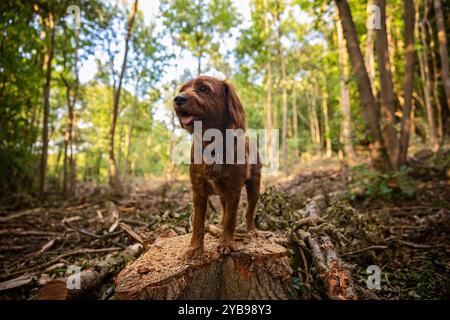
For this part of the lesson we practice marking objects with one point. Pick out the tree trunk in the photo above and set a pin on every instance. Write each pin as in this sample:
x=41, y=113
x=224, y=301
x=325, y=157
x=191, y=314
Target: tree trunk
x=258, y=269
x=369, y=56
x=268, y=81
x=314, y=122
x=317, y=125
x=128, y=145
x=294, y=115
x=199, y=64
x=443, y=48
x=48, y=77
x=71, y=96
x=390, y=43
x=326, y=121
x=284, y=102
x=345, y=94
x=369, y=107
x=67, y=137
x=114, y=179
x=439, y=129
x=408, y=82
x=73, y=156
x=425, y=73
x=120, y=146
x=386, y=90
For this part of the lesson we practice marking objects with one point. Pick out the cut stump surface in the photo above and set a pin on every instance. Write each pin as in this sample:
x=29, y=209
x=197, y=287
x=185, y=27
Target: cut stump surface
x=258, y=269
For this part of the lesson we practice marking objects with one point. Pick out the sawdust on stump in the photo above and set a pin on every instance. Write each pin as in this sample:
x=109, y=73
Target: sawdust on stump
x=258, y=269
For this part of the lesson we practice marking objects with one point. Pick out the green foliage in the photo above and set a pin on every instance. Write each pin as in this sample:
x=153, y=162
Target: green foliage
x=367, y=182
x=199, y=26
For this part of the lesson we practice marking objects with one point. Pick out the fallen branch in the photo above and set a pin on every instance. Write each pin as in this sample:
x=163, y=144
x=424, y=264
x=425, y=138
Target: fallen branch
x=129, y=231
x=91, y=234
x=16, y=282
x=336, y=279
x=28, y=233
x=66, y=288
x=217, y=232
x=362, y=250
x=19, y=214
x=64, y=255
x=421, y=246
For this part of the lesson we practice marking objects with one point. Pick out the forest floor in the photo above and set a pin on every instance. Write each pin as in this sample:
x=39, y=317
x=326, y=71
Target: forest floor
x=400, y=224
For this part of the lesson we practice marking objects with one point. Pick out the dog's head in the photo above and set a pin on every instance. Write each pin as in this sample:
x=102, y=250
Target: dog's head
x=212, y=101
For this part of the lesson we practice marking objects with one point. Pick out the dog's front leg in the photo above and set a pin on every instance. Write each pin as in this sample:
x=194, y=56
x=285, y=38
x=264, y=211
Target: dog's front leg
x=229, y=221
x=198, y=231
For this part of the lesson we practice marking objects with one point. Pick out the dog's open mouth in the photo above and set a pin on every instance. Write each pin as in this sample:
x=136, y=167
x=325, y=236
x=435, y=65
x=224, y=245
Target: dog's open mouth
x=187, y=119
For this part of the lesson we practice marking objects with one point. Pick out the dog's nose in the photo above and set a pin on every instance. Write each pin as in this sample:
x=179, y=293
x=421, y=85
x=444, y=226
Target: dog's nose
x=180, y=100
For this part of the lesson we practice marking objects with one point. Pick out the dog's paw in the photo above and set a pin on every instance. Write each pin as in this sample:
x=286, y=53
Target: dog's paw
x=225, y=247
x=193, y=253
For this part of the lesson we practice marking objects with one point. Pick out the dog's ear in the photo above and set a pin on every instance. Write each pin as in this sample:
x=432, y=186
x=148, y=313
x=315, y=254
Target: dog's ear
x=235, y=109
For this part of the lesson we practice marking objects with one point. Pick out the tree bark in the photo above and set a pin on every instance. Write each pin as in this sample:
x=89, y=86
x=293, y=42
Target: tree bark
x=326, y=121
x=268, y=80
x=258, y=269
x=440, y=128
x=128, y=141
x=67, y=136
x=71, y=96
x=294, y=114
x=90, y=279
x=284, y=102
x=408, y=82
x=114, y=179
x=73, y=156
x=314, y=122
x=425, y=73
x=443, y=48
x=386, y=89
x=368, y=104
x=48, y=78
x=336, y=278
x=345, y=94
x=390, y=43
x=369, y=56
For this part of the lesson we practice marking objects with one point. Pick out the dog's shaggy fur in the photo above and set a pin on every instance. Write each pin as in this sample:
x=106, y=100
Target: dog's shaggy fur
x=214, y=102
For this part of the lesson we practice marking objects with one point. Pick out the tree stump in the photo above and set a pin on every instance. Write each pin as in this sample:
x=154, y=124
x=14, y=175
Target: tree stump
x=258, y=269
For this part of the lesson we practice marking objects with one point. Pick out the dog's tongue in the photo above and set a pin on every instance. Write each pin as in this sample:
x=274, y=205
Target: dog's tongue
x=187, y=120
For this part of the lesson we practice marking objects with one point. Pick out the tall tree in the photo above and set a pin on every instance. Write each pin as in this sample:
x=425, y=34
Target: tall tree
x=408, y=82
x=326, y=122
x=283, y=83
x=48, y=22
x=344, y=94
x=426, y=77
x=386, y=88
x=368, y=104
x=369, y=57
x=436, y=83
x=72, y=87
x=294, y=114
x=114, y=179
x=268, y=73
x=443, y=48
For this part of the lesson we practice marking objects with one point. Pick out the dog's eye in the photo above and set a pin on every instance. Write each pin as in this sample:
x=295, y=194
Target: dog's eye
x=203, y=89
